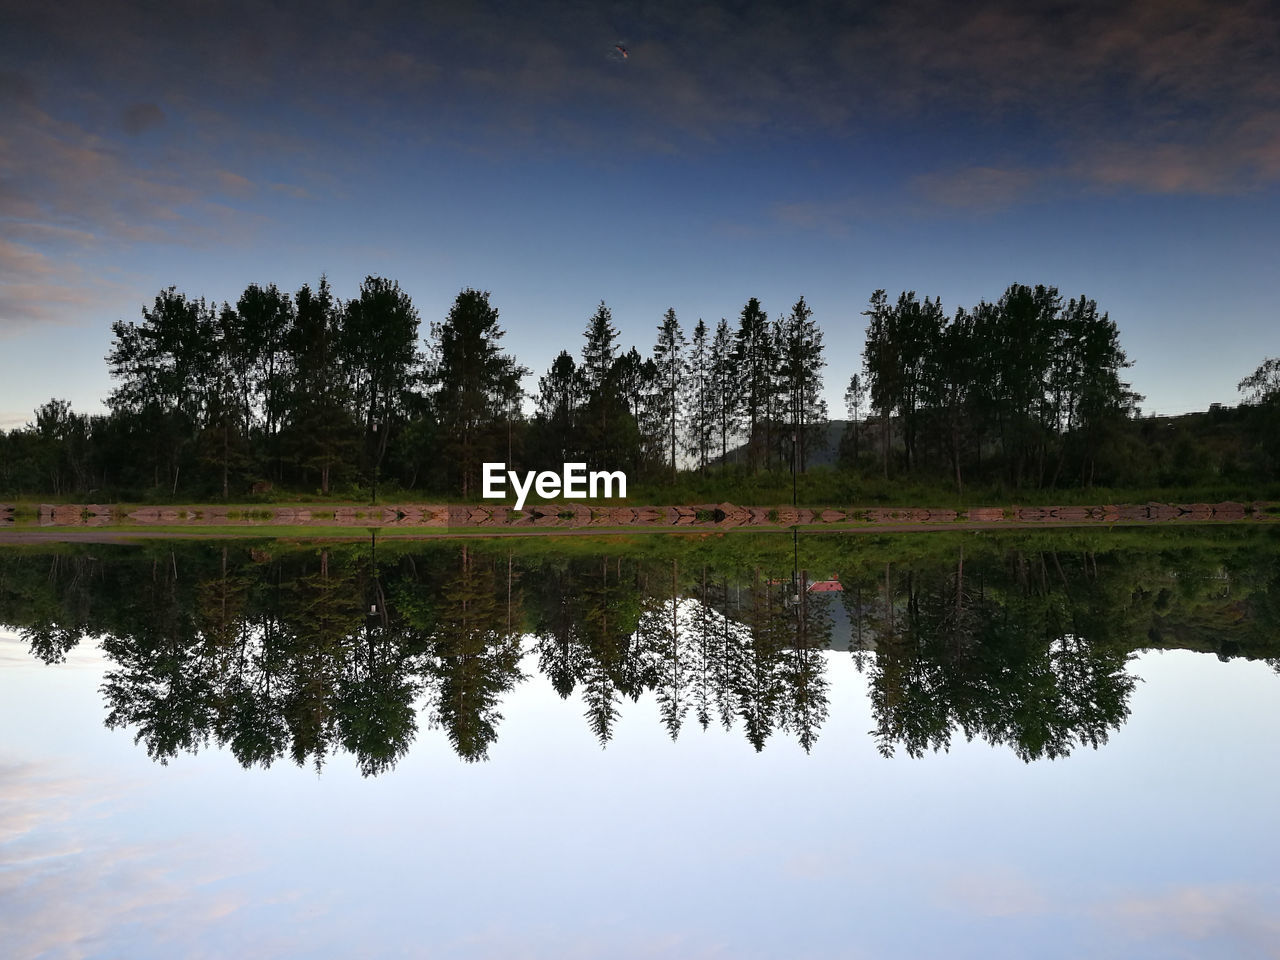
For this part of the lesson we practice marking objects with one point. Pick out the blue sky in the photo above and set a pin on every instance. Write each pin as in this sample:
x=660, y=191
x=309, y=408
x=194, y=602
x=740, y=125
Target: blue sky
x=1127, y=151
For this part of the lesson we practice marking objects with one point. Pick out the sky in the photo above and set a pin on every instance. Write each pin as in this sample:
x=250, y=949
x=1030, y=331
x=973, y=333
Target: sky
x=698, y=848
x=1126, y=151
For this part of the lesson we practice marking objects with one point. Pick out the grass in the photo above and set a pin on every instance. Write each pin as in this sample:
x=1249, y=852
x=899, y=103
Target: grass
x=821, y=487
x=813, y=491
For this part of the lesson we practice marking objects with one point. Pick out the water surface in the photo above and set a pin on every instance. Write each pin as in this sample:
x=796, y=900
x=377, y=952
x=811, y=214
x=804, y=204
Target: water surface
x=737, y=746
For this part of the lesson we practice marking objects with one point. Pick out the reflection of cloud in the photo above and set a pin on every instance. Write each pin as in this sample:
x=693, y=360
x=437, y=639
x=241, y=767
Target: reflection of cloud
x=994, y=891
x=15, y=651
x=1229, y=921
x=1242, y=921
x=816, y=865
x=66, y=891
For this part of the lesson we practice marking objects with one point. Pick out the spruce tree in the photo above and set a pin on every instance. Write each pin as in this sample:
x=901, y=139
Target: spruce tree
x=755, y=358
x=322, y=431
x=668, y=357
x=698, y=399
x=473, y=382
x=726, y=388
x=800, y=373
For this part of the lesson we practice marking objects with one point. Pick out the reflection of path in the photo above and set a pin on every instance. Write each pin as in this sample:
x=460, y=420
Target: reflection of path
x=581, y=518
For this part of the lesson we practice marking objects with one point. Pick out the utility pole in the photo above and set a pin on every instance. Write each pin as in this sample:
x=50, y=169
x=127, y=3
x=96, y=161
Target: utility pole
x=793, y=469
x=373, y=496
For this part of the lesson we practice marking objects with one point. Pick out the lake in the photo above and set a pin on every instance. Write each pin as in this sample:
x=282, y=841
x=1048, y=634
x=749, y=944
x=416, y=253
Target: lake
x=1057, y=743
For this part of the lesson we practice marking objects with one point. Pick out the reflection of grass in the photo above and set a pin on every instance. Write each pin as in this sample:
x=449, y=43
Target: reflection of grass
x=861, y=555
x=237, y=522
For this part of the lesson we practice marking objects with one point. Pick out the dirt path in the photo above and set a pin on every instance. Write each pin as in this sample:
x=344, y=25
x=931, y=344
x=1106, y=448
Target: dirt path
x=105, y=523
x=28, y=536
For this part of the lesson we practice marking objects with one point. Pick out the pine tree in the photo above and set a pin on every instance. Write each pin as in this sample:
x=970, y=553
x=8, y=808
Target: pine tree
x=879, y=364
x=698, y=399
x=322, y=431
x=560, y=397
x=600, y=352
x=265, y=316
x=755, y=359
x=162, y=367
x=608, y=432
x=854, y=397
x=379, y=350
x=800, y=373
x=473, y=384
x=668, y=357
x=726, y=388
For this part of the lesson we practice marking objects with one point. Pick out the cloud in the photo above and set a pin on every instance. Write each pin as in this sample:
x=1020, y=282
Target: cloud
x=234, y=183
x=15, y=88
x=71, y=197
x=976, y=188
x=36, y=288
x=141, y=117
x=1156, y=96
x=43, y=286
x=1239, y=162
x=489, y=74
x=834, y=217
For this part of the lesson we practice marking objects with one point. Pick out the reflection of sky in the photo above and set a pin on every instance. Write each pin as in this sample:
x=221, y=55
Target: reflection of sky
x=1156, y=845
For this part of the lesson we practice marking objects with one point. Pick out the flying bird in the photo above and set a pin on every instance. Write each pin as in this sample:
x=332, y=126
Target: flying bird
x=622, y=50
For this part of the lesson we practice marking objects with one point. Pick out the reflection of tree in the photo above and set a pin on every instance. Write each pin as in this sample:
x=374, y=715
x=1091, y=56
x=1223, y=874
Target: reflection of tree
x=759, y=681
x=557, y=630
x=476, y=657
x=668, y=643
x=282, y=652
x=716, y=643
x=611, y=667
x=57, y=618
x=703, y=628
x=163, y=679
x=374, y=699
x=324, y=610
x=1009, y=663
x=250, y=655
x=803, y=672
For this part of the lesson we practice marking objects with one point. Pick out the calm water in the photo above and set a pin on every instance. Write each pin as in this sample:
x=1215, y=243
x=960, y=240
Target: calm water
x=1059, y=744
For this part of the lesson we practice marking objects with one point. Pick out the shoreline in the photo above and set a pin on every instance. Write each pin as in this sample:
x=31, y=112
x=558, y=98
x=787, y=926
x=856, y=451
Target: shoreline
x=103, y=523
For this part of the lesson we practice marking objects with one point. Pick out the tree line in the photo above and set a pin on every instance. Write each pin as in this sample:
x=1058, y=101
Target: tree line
x=306, y=391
